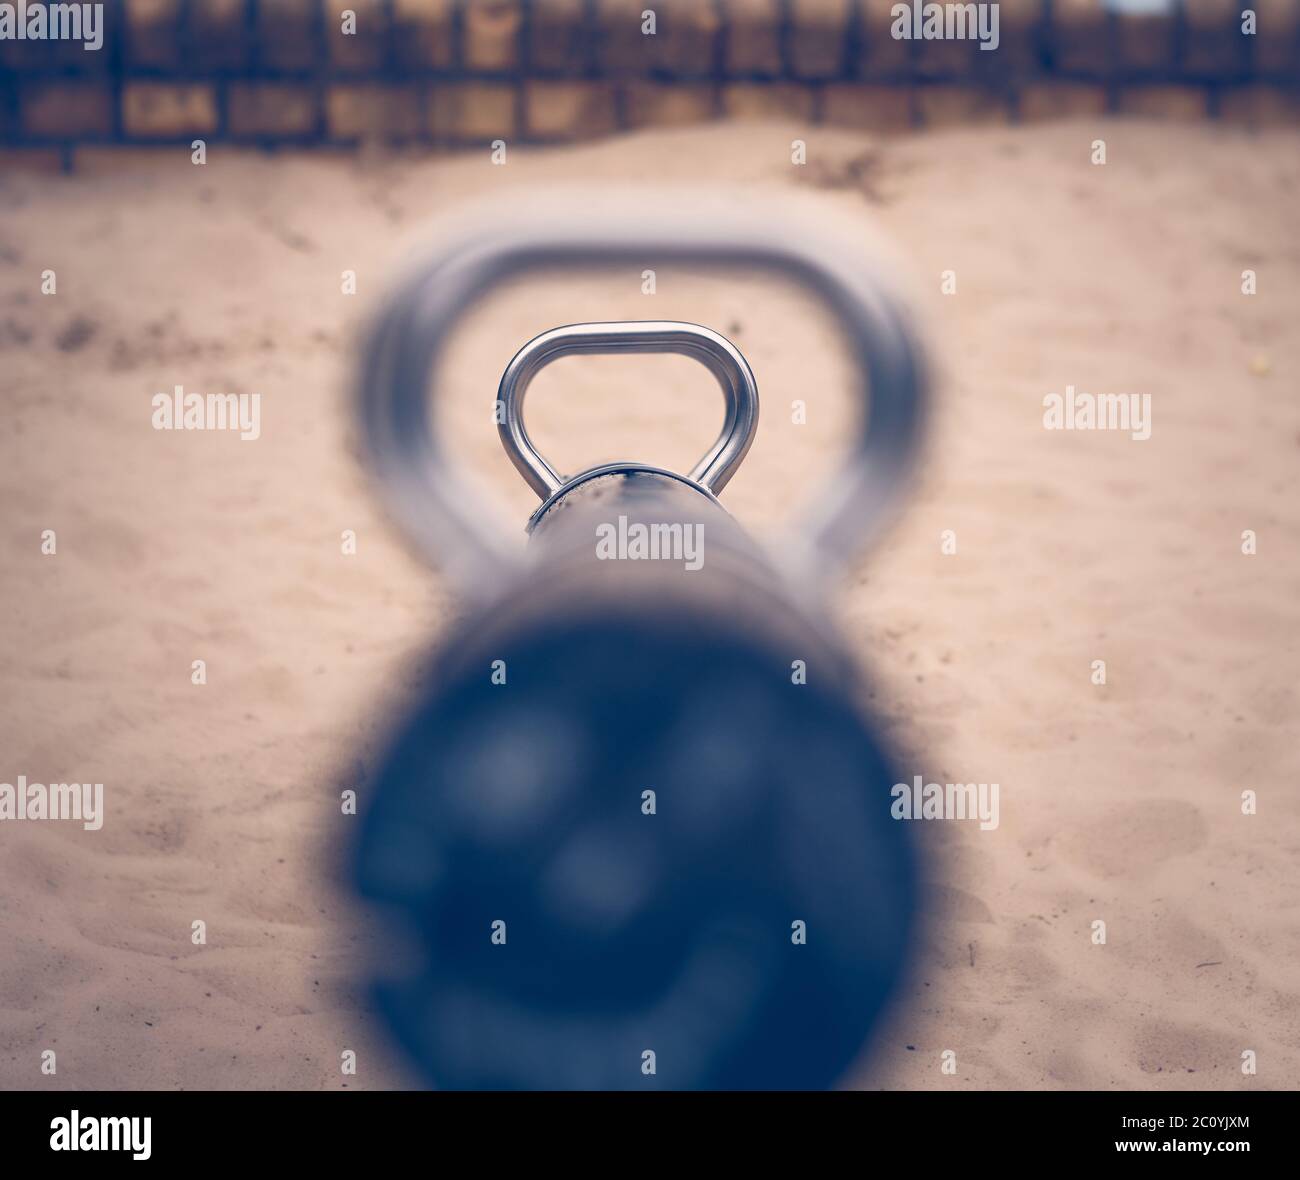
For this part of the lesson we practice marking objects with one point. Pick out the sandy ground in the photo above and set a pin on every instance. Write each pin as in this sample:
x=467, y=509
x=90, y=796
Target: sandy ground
x=1120, y=802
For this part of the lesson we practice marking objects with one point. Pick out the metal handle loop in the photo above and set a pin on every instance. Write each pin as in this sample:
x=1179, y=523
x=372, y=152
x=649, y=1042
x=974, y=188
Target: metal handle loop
x=715, y=352
x=447, y=519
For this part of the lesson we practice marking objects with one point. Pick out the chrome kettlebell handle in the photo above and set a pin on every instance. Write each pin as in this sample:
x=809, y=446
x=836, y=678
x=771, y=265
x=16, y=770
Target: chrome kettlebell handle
x=715, y=352
x=452, y=521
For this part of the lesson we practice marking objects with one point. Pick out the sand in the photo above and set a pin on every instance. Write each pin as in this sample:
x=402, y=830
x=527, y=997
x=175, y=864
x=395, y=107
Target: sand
x=1119, y=803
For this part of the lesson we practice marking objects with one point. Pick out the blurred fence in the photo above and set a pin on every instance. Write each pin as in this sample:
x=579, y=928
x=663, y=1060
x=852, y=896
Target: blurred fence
x=471, y=71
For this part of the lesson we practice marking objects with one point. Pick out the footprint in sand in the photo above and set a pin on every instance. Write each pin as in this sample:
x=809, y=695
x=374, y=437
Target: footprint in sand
x=1161, y=1046
x=1132, y=840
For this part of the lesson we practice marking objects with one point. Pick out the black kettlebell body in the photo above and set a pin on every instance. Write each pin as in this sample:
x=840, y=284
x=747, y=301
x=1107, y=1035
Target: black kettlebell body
x=652, y=784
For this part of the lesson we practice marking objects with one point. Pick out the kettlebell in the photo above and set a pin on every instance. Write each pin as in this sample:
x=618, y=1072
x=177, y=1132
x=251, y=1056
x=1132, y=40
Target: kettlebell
x=636, y=834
